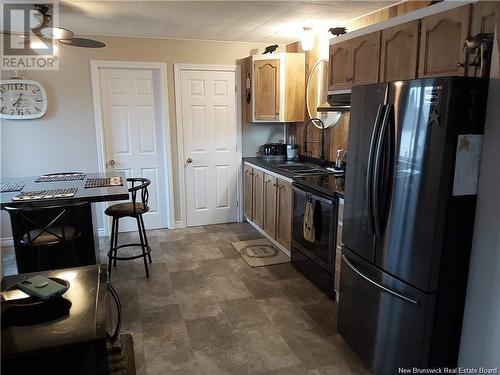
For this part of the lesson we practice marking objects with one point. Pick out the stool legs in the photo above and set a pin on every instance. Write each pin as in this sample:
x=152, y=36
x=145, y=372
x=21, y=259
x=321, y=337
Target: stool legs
x=145, y=237
x=111, y=247
x=143, y=245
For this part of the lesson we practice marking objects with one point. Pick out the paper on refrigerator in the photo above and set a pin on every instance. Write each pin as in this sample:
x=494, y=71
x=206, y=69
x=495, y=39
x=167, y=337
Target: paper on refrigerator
x=467, y=162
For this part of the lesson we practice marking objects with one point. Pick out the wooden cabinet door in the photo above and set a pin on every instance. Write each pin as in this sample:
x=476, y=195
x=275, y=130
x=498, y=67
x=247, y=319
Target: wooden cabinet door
x=483, y=20
x=248, y=191
x=399, y=52
x=258, y=198
x=284, y=214
x=442, y=39
x=270, y=188
x=340, y=66
x=267, y=89
x=365, y=59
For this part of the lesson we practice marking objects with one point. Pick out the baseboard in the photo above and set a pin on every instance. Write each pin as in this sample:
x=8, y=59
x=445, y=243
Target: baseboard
x=264, y=233
x=6, y=242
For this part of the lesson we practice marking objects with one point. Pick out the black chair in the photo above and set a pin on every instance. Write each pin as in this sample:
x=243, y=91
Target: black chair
x=131, y=209
x=40, y=228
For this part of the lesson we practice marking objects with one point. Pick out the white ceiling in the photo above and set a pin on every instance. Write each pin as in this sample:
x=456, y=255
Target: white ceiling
x=250, y=21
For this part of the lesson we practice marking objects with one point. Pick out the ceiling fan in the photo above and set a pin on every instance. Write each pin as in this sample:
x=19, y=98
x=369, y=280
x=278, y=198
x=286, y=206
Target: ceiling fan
x=44, y=30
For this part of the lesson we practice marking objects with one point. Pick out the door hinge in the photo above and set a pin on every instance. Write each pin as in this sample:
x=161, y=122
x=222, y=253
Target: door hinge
x=237, y=203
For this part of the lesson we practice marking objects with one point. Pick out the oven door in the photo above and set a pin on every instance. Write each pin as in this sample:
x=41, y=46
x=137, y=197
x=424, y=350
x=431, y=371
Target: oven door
x=321, y=250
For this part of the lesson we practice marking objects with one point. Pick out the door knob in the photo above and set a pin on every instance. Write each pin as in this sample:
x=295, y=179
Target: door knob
x=189, y=160
x=111, y=162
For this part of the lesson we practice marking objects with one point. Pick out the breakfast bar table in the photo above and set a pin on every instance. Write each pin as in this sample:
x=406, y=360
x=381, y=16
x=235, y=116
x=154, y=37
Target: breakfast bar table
x=89, y=188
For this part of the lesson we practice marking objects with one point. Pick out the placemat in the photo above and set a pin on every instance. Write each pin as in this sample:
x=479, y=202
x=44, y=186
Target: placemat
x=45, y=194
x=103, y=182
x=6, y=187
x=60, y=177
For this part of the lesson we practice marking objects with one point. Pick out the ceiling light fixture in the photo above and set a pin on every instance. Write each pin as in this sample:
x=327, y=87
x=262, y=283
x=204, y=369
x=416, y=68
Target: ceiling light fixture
x=307, y=38
x=57, y=33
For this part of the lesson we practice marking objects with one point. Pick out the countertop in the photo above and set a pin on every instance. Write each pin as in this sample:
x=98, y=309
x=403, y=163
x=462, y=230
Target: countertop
x=330, y=185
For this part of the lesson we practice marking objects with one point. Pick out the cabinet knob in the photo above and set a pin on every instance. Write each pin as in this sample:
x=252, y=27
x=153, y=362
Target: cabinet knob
x=111, y=162
x=461, y=65
x=189, y=160
x=348, y=79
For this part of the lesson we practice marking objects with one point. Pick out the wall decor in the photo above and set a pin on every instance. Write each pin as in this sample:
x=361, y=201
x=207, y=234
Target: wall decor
x=22, y=99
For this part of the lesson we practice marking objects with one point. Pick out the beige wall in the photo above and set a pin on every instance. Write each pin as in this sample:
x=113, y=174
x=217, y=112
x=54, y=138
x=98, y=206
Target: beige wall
x=64, y=139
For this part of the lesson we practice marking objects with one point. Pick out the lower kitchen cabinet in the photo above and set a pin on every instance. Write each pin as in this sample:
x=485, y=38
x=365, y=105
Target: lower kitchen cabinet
x=258, y=197
x=248, y=190
x=284, y=213
x=268, y=204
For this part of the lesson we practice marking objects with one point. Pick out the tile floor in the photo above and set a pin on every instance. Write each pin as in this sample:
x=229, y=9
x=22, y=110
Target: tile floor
x=204, y=311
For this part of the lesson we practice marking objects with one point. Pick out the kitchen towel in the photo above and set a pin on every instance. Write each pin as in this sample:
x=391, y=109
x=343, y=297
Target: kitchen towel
x=308, y=227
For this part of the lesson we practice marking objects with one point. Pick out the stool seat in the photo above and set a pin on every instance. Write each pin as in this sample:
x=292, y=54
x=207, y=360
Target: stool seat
x=126, y=209
x=53, y=237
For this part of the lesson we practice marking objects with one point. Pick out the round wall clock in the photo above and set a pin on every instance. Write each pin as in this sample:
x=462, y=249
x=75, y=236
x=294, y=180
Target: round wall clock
x=22, y=99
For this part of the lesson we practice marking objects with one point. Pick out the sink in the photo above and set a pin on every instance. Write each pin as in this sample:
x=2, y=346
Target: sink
x=295, y=167
x=311, y=172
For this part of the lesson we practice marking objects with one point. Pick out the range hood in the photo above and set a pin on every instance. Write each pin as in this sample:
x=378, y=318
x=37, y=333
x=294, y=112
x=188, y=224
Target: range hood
x=336, y=103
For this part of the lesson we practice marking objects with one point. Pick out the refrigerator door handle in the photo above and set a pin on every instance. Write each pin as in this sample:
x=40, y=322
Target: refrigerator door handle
x=390, y=291
x=369, y=172
x=377, y=170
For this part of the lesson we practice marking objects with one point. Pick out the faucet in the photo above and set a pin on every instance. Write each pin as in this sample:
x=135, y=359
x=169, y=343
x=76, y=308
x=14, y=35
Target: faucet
x=322, y=156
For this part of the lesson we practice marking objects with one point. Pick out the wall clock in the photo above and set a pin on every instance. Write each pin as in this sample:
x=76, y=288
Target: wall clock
x=22, y=99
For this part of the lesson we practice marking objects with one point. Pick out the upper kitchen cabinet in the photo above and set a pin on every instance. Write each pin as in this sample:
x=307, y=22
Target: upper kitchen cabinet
x=277, y=83
x=399, y=52
x=484, y=15
x=354, y=62
x=442, y=39
x=365, y=59
x=340, y=66
x=483, y=20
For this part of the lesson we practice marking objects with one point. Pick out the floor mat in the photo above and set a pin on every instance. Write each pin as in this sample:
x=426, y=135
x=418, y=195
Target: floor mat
x=260, y=252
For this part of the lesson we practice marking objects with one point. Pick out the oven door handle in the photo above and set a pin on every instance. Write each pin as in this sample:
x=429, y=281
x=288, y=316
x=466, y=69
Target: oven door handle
x=305, y=192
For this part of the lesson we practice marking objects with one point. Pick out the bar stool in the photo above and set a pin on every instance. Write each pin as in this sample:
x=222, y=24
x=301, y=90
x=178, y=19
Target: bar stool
x=131, y=209
x=39, y=228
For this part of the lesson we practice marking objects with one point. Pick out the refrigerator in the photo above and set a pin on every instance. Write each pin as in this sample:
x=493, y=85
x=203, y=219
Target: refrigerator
x=411, y=175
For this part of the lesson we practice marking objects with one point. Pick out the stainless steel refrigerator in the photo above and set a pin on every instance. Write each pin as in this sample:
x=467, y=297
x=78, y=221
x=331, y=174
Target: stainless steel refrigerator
x=408, y=219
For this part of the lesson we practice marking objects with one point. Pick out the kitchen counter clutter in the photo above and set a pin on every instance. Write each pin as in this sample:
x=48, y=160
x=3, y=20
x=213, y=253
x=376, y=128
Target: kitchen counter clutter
x=329, y=184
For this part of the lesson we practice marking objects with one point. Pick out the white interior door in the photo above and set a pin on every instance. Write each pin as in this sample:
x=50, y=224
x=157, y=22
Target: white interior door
x=131, y=136
x=209, y=139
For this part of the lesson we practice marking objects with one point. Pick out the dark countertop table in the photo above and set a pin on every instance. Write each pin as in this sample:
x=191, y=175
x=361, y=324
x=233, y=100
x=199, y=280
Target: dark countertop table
x=90, y=195
x=87, y=243
x=73, y=336
x=330, y=185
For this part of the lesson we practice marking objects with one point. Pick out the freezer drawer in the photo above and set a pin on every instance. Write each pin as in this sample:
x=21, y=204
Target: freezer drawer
x=384, y=320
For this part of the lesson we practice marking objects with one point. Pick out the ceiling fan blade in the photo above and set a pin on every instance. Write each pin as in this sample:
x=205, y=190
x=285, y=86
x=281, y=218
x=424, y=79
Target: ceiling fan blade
x=83, y=42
